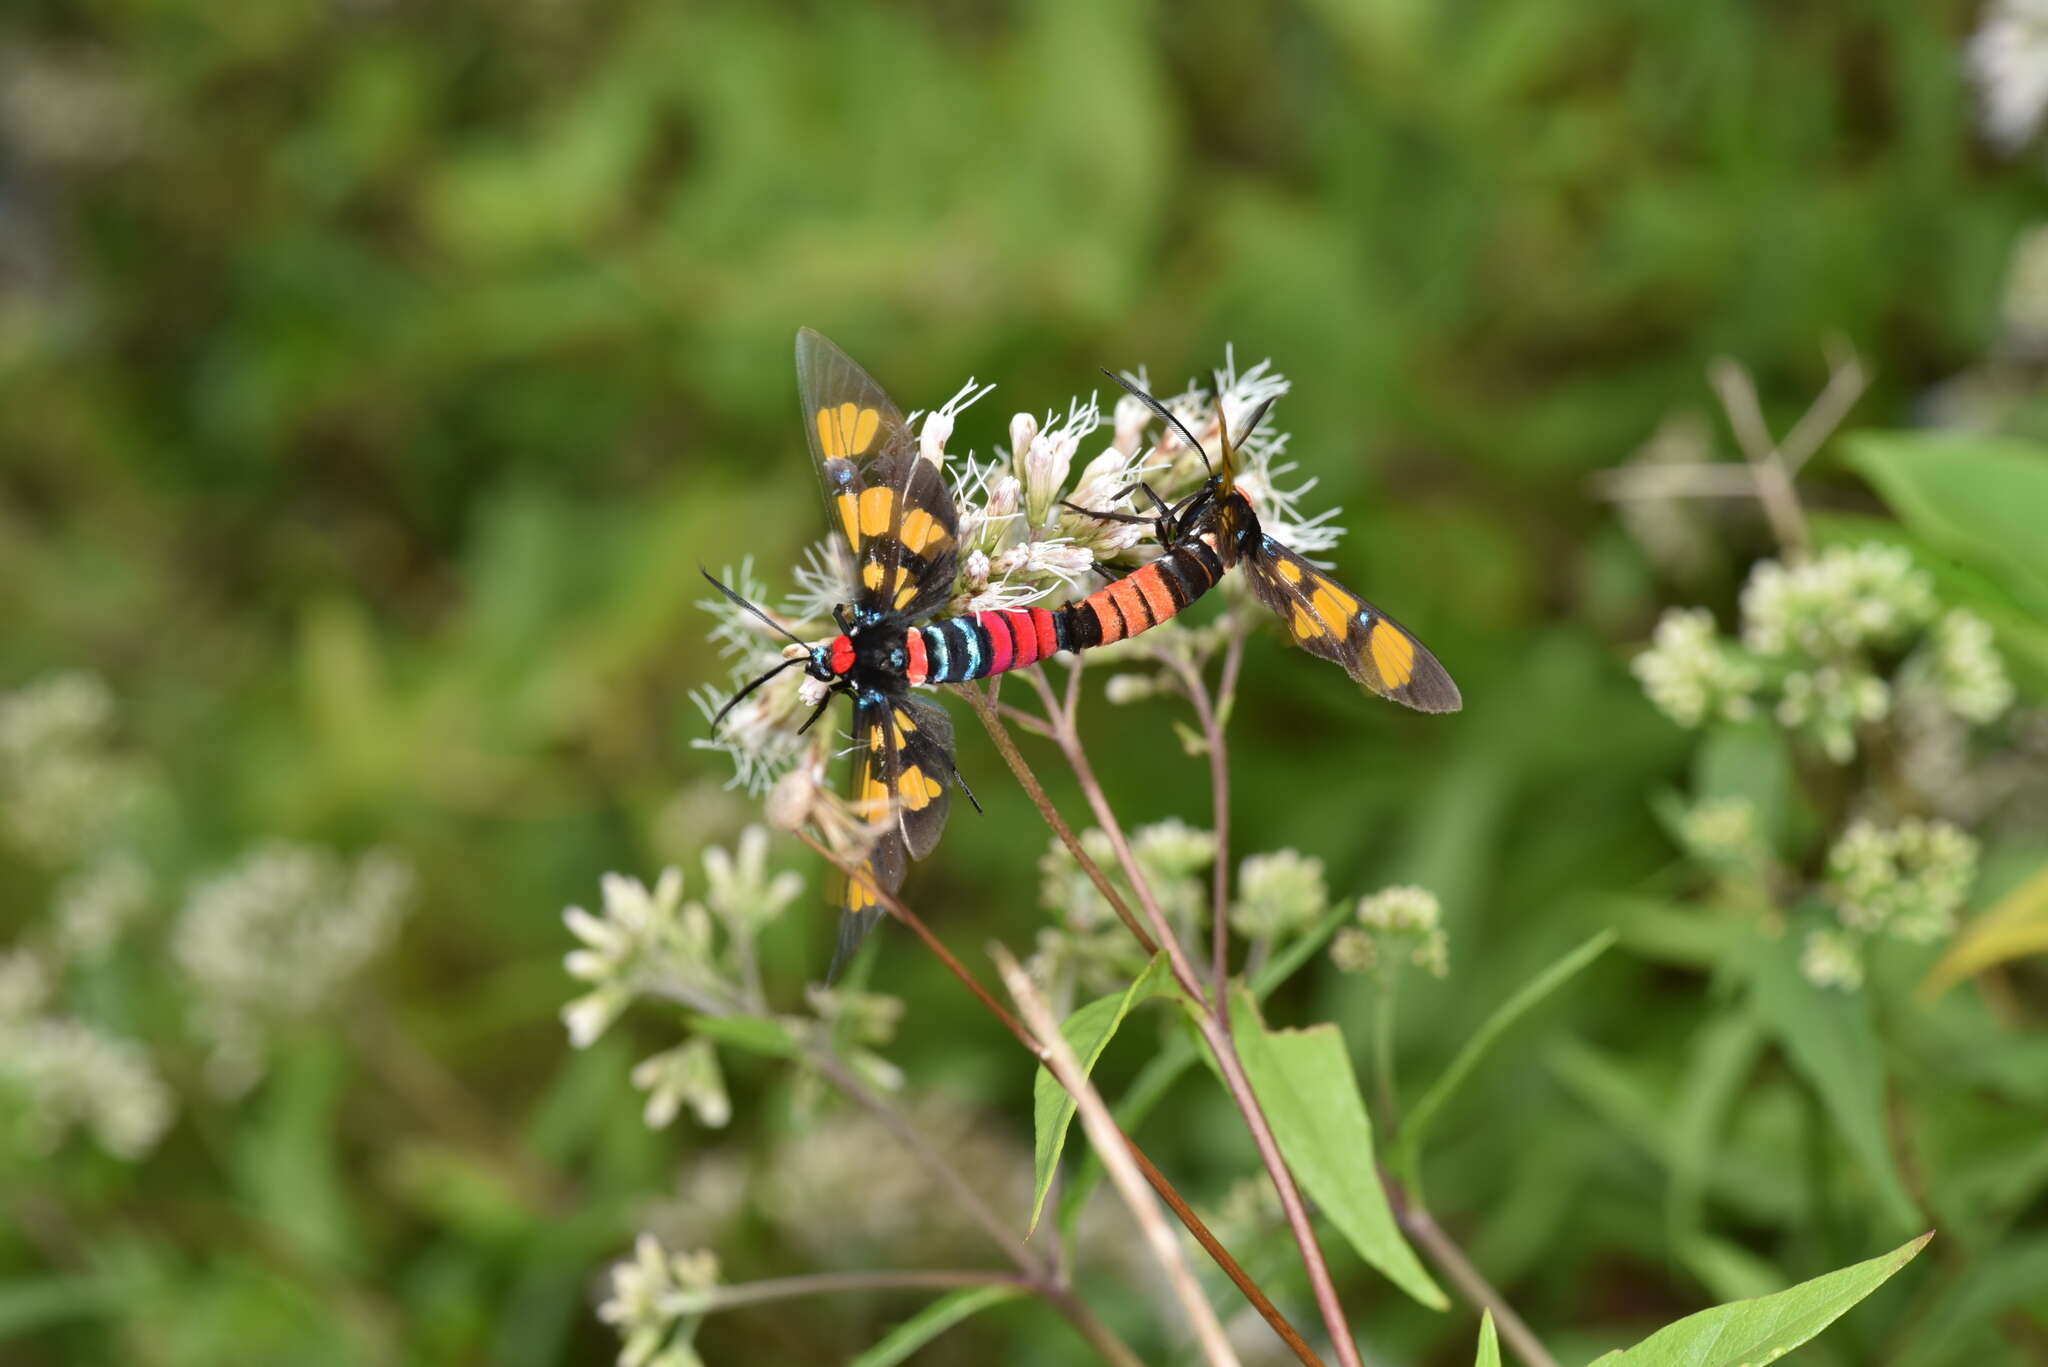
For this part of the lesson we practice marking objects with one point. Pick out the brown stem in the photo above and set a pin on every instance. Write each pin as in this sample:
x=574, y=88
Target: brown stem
x=993, y=724
x=1209, y=715
x=1422, y=1227
x=1231, y=1268
x=1209, y=1020
x=1063, y=1063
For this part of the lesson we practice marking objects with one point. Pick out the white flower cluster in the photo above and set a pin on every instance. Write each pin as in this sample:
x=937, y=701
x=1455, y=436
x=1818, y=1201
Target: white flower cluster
x=1723, y=833
x=1907, y=881
x=1402, y=922
x=1087, y=947
x=1967, y=673
x=1816, y=635
x=1281, y=893
x=1691, y=674
x=1842, y=601
x=63, y=787
x=276, y=941
x=1020, y=541
x=58, y=1073
x=96, y=906
x=701, y=955
x=65, y=1073
x=2008, y=59
x=650, y=1301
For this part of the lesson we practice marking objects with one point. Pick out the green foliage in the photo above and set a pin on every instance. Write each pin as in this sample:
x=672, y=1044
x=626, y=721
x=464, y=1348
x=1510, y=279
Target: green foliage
x=1089, y=1029
x=1767, y=1328
x=1304, y=1081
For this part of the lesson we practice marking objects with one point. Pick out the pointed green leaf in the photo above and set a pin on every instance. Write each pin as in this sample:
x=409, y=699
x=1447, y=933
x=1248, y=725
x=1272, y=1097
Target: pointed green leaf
x=1978, y=498
x=1089, y=1029
x=1489, y=1343
x=1164, y=1069
x=1304, y=1081
x=1828, y=1036
x=935, y=1319
x=1407, y=1157
x=1745, y=1333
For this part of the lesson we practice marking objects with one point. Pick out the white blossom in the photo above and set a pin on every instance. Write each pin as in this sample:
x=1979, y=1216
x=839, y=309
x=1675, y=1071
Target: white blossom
x=2008, y=59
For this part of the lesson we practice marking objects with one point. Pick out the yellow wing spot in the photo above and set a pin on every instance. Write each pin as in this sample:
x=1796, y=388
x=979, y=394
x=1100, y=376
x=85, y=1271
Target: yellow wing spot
x=874, y=737
x=916, y=790
x=904, y=595
x=847, y=430
x=1306, y=627
x=921, y=531
x=859, y=895
x=849, y=518
x=1393, y=654
x=871, y=575
x=874, y=799
x=877, y=506
x=904, y=722
x=1289, y=571
x=1335, y=607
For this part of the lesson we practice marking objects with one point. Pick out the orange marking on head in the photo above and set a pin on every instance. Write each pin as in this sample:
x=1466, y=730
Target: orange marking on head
x=1393, y=654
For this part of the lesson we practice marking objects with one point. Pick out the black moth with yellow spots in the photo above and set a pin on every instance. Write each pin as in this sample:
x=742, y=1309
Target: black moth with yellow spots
x=899, y=521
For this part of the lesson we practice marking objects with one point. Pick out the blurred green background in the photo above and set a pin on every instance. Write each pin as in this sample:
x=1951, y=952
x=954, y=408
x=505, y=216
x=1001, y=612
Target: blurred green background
x=374, y=376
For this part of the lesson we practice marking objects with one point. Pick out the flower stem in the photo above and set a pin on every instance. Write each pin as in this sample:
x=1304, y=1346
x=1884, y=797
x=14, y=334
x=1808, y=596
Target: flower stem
x=1422, y=1227
x=1182, y=1210
x=1102, y=1132
x=1211, y=1020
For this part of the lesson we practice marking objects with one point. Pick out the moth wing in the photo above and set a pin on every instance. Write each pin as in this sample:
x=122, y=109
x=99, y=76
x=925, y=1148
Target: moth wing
x=1332, y=623
x=892, y=506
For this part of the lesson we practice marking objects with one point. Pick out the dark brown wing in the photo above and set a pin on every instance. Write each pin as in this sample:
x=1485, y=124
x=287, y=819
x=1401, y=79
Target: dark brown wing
x=894, y=507
x=1331, y=622
x=903, y=765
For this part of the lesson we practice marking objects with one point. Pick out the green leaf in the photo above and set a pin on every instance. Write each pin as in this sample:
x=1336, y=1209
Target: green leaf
x=1744, y=1333
x=1489, y=1343
x=756, y=1034
x=1829, y=1038
x=1304, y=1081
x=1978, y=498
x=935, y=1319
x=1407, y=1158
x=1721, y=1060
x=2022, y=633
x=28, y=1305
x=2015, y=926
x=1180, y=1052
x=1751, y=761
x=1089, y=1029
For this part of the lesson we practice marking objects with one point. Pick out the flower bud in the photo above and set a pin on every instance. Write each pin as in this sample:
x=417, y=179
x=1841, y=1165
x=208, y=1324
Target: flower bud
x=1023, y=430
x=933, y=435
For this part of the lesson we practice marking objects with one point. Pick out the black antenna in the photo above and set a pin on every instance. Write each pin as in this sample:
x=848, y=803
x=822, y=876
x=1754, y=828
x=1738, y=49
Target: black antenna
x=734, y=700
x=756, y=611
x=1163, y=411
